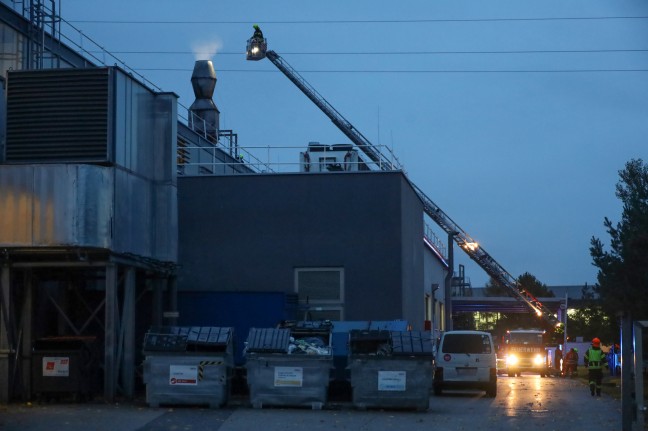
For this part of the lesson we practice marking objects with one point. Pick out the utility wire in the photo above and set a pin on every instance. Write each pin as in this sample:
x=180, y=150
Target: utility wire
x=541, y=51
x=415, y=71
x=363, y=21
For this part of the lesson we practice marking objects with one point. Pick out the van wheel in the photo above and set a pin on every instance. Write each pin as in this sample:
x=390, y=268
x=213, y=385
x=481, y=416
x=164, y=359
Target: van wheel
x=491, y=390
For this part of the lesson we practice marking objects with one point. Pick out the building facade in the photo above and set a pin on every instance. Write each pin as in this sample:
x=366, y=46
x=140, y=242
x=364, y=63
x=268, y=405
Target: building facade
x=349, y=245
x=102, y=230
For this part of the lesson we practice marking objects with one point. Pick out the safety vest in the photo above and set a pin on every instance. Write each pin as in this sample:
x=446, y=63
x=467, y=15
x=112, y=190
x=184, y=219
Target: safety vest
x=595, y=358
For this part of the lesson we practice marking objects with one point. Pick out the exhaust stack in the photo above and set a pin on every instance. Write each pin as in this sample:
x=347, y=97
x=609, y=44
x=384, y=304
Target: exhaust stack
x=203, y=113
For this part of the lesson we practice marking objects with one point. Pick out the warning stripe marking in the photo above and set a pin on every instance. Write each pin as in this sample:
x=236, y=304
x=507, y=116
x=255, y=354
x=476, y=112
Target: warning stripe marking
x=203, y=364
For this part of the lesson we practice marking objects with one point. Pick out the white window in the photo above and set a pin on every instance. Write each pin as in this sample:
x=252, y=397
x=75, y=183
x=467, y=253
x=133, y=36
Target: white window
x=320, y=292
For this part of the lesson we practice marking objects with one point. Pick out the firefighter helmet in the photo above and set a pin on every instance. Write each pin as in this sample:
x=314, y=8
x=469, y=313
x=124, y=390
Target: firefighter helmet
x=596, y=342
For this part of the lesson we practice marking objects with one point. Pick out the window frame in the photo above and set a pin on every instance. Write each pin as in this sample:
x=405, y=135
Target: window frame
x=323, y=304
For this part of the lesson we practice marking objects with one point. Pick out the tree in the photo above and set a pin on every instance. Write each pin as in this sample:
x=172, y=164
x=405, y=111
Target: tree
x=493, y=288
x=589, y=320
x=622, y=279
x=532, y=285
x=527, y=281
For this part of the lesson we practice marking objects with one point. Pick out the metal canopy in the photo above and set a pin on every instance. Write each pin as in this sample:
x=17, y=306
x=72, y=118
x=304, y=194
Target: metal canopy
x=502, y=304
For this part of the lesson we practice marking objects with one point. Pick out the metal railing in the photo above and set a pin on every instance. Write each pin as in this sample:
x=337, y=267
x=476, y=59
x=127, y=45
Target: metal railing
x=268, y=158
x=435, y=241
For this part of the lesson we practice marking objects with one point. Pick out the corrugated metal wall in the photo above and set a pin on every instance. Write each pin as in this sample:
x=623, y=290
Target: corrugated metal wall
x=90, y=162
x=56, y=205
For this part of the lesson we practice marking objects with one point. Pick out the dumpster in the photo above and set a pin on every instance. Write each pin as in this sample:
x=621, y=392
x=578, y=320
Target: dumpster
x=188, y=365
x=65, y=366
x=390, y=369
x=289, y=366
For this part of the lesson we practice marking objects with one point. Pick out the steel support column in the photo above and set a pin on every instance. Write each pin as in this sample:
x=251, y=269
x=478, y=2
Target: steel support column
x=448, y=283
x=5, y=333
x=110, y=340
x=158, y=287
x=628, y=401
x=173, y=300
x=639, y=327
x=26, y=331
x=128, y=329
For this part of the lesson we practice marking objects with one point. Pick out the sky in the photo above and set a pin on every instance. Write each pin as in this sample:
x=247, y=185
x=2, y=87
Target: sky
x=514, y=117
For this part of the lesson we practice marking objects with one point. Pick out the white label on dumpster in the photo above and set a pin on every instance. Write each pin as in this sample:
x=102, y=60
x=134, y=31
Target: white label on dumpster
x=56, y=366
x=183, y=375
x=392, y=380
x=289, y=376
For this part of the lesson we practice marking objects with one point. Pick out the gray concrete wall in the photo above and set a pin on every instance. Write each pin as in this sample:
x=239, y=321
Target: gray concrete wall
x=412, y=274
x=249, y=233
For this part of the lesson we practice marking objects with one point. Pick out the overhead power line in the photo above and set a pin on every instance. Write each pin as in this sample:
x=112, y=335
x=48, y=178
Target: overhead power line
x=527, y=51
x=362, y=21
x=414, y=71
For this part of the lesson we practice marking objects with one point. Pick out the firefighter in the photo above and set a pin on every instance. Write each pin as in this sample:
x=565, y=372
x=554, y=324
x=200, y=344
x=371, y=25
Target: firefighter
x=594, y=360
x=258, y=34
x=570, y=363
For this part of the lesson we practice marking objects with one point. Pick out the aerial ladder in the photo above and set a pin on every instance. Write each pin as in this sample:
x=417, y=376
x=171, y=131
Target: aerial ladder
x=257, y=49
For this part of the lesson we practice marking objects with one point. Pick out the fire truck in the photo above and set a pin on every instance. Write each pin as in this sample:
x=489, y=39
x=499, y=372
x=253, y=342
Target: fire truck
x=524, y=351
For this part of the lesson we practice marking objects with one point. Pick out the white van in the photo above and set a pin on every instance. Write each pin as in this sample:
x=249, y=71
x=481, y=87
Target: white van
x=466, y=360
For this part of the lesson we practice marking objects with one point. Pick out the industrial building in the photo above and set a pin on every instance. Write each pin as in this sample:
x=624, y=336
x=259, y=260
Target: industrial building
x=117, y=215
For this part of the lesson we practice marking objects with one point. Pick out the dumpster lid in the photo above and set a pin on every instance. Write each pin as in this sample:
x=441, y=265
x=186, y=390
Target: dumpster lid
x=411, y=343
x=183, y=338
x=390, y=343
x=314, y=328
x=369, y=342
x=209, y=335
x=377, y=335
x=315, y=325
x=268, y=340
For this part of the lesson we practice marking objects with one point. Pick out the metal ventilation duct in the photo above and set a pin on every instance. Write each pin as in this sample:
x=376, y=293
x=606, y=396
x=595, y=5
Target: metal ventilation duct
x=58, y=115
x=203, y=113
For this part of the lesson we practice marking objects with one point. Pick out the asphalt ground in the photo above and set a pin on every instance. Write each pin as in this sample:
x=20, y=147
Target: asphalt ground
x=522, y=403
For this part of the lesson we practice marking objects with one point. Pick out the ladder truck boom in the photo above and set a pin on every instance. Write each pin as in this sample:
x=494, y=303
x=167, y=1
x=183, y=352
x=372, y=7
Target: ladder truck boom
x=257, y=50
x=482, y=257
x=347, y=128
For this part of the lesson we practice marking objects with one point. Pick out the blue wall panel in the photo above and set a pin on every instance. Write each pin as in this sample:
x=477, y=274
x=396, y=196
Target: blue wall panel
x=240, y=310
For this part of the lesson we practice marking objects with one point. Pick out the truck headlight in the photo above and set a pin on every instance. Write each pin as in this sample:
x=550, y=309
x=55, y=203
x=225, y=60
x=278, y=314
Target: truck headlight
x=538, y=360
x=512, y=360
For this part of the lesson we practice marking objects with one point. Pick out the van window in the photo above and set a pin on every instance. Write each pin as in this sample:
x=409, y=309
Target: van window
x=466, y=343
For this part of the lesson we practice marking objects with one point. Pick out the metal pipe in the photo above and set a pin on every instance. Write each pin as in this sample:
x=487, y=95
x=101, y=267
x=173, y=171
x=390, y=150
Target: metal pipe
x=448, y=282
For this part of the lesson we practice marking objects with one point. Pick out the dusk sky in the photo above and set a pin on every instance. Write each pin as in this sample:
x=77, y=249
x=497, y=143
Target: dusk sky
x=513, y=116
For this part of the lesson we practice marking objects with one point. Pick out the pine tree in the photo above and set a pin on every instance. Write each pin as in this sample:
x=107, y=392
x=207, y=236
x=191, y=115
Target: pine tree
x=622, y=279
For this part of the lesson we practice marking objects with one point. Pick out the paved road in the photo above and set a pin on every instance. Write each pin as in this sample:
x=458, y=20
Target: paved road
x=522, y=403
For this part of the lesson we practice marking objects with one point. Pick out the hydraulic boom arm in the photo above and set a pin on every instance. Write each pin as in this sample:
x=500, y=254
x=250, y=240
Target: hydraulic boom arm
x=257, y=50
x=347, y=128
x=482, y=258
